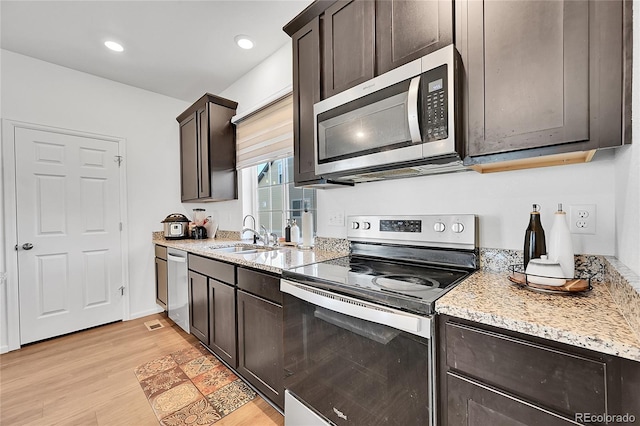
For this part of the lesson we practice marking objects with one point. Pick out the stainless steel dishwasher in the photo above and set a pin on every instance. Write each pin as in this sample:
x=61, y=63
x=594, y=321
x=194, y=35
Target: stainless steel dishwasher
x=178, y=303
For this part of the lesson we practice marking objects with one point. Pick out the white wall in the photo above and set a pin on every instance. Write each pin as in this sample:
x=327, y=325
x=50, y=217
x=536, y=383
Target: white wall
x=3, y=267
x=271, y=77
x=627, y=178
x=502, y=201
x=42, y=93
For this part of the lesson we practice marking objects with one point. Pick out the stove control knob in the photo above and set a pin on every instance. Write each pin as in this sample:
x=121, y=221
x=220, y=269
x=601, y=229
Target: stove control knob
x=439, y=227
x=366, y=225
x=457, y=227
x=355, y=225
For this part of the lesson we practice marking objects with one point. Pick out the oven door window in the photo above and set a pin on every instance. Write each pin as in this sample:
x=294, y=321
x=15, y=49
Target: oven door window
x=354, y=371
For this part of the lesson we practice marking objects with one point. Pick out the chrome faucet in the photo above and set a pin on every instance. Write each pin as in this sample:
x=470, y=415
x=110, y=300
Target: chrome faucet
x=269, y=237
x=264, y=235
x=245, y=219
x=256, y=235
x=275, y=238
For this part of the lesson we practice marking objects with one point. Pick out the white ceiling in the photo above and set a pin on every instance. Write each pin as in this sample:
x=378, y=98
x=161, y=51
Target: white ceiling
x=180, y=49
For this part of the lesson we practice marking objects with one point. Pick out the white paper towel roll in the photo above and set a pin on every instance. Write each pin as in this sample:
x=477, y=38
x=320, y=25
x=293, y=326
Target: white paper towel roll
x=307, y=229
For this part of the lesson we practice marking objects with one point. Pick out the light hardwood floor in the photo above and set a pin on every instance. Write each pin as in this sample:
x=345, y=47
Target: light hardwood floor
x=87, y=378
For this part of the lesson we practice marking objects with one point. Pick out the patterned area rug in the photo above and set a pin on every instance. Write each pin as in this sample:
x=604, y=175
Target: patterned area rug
x=191, y=387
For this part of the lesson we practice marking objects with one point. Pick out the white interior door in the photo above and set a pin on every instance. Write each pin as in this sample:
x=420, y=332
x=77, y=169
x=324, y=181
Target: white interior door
x=68, y=210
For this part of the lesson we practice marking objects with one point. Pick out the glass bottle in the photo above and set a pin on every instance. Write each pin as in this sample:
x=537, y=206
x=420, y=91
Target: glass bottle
x=287, y=231
x=534, y=241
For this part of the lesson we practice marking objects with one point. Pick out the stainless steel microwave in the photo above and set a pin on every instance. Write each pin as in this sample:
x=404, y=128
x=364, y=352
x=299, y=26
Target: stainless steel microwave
x=399, y=124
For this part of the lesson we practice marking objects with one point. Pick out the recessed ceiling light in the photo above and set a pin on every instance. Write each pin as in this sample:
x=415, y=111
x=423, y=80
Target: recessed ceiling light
x=244, y=41
x=116, y=47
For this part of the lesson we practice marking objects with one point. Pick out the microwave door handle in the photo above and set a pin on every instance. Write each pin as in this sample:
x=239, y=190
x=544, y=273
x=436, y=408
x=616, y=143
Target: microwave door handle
x=412, y=110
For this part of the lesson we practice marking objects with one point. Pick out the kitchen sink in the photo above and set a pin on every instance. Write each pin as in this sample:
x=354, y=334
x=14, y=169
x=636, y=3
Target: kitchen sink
x=242, y=249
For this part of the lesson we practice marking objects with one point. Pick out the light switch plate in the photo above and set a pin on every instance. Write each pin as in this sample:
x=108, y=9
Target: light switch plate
x=336, y=218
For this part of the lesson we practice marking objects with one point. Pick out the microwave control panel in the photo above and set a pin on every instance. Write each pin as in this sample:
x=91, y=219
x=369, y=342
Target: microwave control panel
x=435, y=116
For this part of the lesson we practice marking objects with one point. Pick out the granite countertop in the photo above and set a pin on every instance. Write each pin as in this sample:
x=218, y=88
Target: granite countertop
x=591, y=320
x=274, y=261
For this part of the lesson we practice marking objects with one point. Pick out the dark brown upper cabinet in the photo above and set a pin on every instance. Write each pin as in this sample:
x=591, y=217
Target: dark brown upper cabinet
x=543, y=77
x=208, y=150
x=348, y=45
x=340, y=44
x=306, y=92
x=408, y=30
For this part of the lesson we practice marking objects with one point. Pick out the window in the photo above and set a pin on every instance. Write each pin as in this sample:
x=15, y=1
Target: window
x=278, y=199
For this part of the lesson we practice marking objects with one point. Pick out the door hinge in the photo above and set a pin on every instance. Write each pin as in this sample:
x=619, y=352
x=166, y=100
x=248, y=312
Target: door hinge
x=118, y=159
x=121, y=288
x=120, y=226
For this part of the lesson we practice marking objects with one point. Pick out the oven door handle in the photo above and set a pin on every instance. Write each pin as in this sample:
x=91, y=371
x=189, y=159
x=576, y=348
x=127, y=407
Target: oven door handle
x=356, y=308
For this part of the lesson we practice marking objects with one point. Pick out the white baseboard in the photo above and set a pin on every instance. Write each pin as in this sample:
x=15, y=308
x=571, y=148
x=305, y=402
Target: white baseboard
x=4, y=349
x=136, y=315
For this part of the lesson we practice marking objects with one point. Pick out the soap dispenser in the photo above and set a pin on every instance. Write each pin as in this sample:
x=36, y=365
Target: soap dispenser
x=560, y=244
x=295, y=232
x=534, y=241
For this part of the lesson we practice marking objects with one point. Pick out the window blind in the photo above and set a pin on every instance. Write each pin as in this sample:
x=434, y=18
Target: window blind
x=266, y=134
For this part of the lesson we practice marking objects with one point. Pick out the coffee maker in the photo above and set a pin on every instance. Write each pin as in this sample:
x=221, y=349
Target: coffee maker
x=199, y=231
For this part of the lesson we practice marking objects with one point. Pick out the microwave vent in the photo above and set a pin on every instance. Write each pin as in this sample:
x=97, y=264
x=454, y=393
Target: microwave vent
x=405, y=172
x=387, y=174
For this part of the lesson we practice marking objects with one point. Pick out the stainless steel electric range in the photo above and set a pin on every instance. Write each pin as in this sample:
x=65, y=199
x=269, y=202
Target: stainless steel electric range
x=358, y=330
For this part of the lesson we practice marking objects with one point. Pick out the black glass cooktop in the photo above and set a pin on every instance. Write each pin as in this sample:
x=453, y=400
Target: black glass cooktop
x=406, y=286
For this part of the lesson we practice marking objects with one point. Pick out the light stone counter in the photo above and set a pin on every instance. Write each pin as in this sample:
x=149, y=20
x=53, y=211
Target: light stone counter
x=592, y=320
x=274, y=261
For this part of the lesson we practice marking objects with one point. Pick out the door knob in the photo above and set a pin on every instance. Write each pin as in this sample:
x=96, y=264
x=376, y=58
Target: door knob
x=27, y=246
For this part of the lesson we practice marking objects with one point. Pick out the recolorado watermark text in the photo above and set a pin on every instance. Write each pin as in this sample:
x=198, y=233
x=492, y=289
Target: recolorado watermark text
x=604, y=418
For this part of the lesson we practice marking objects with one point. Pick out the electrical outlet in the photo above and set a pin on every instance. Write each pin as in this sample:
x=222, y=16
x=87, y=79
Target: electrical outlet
x=582, y=219
x=336, y=218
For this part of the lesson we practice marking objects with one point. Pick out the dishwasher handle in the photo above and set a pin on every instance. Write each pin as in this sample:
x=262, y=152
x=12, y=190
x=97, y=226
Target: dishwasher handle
x=177, y=259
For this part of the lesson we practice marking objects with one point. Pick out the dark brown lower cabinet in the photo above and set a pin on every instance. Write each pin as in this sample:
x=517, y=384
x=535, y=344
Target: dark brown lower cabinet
x=199, y=306
x=222, y=321
x=162, y=276
x=260, y=345
x=471, y=403
x=491, y=376
x=243, y=325
x=162, y=282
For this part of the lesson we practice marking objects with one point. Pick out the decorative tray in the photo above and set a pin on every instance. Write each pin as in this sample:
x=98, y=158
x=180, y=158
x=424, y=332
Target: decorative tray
x=576, y=285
